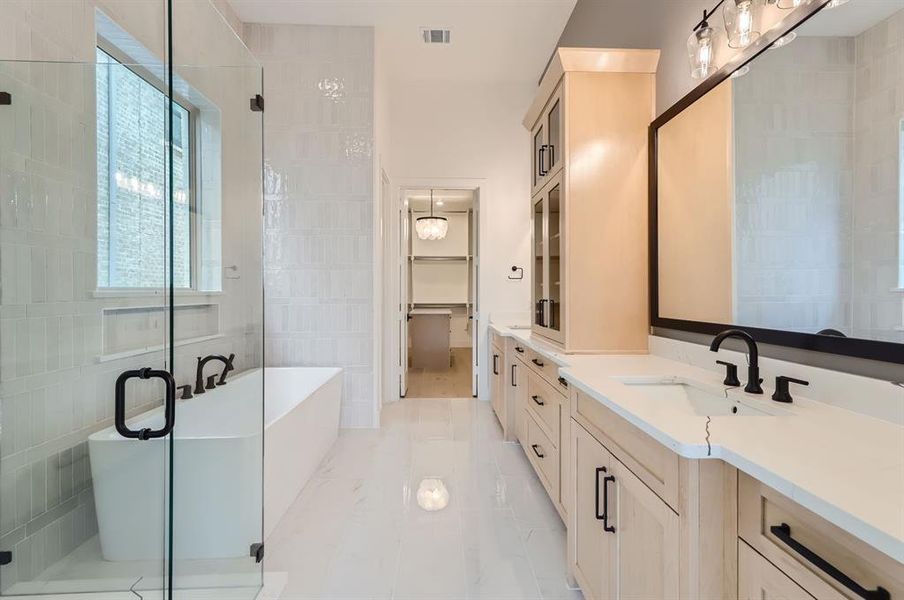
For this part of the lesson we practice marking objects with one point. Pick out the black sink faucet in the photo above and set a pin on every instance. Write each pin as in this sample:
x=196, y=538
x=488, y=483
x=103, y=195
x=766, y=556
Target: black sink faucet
x=199, y=377
x=753, y=367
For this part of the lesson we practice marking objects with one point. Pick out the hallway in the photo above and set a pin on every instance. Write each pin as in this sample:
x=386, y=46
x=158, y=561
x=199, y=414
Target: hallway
x=356, y=531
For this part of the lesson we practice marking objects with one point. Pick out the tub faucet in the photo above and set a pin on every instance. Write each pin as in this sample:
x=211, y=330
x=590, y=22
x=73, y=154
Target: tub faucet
x=753, y=367
x=199, y=377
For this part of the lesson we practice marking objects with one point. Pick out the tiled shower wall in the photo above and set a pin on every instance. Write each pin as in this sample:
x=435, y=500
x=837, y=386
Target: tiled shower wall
x=54, y=389
x=796, y=102
x=878, y=311
x=318, y=246
x=838, y=102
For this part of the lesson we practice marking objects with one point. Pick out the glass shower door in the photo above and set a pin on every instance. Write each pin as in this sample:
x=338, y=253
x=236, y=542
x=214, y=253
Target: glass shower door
x=86, y=395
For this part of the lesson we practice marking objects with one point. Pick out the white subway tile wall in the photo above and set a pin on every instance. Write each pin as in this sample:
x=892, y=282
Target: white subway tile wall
x=318, y=200
x=818, y=127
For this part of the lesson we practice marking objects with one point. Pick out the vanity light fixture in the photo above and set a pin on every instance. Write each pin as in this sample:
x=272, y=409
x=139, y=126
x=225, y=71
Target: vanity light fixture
x=741, y=72
x=742, y=21
x=432, y=227
x=789, y=4
x=836, y=3
x=701, y=49
x=783, y=41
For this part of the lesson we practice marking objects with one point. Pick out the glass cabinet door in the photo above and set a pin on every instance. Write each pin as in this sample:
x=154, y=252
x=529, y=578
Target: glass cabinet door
x=556, y=271
x=539, y=264
x=538, y=150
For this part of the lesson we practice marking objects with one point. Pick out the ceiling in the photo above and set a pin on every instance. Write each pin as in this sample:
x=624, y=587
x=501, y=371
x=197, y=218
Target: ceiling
x=501, y=41
x=850, y=19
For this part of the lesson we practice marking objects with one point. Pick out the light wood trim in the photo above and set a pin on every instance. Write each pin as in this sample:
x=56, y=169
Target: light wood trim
x=758, y=579
x=549, y=371
x=695, y=204
x=605, y=203
x=652, y=462
x=708, y=505
x=596, y=60
x=760, y=507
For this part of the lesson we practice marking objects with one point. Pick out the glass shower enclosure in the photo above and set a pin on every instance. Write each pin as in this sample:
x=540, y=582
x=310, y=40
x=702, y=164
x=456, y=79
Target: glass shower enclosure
x=131, y=309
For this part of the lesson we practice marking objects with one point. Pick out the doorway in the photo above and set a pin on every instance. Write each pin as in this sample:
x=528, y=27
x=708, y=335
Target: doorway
x=438, y=288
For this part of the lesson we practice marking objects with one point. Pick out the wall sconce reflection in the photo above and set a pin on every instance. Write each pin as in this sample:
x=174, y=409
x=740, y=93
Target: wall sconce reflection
x=432, y=495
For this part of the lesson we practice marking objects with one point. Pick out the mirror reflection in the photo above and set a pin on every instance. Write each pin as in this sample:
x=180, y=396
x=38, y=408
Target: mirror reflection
x=780, y=194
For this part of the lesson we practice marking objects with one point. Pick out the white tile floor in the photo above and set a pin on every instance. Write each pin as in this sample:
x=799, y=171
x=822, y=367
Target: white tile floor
x=356, y=530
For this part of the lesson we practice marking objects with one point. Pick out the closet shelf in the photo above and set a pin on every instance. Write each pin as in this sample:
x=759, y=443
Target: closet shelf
x=440, y=258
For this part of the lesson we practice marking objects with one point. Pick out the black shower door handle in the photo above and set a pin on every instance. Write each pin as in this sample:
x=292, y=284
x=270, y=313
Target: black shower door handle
x=169, y=408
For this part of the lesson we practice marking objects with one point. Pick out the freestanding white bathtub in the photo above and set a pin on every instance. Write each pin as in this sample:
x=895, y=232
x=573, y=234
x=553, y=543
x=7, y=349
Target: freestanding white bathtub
x=217, y=465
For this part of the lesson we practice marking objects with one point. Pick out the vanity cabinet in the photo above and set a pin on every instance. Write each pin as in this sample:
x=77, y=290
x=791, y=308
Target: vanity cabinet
x=589, y=149
x=497, y=378
x=626, y=540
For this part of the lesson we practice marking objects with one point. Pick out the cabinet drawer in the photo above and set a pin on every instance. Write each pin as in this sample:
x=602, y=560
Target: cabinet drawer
x=544, y=402
x=545, y=457
x=653, y=463
x=795, y=539
x=544, y=367
x=758, y=579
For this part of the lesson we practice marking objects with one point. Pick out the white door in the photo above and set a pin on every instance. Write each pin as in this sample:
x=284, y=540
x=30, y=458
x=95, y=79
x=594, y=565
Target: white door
x=404, y=251
x=474, y=299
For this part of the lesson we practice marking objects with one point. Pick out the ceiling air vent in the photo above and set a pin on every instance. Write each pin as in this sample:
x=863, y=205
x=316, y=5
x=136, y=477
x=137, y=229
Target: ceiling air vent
x=436, y=36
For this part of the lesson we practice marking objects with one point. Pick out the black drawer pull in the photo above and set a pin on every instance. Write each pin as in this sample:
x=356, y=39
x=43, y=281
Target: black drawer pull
x=538, y=363
x=563, y=382
x=514, y=381
x=783, y=532
x=606, y=481
x=519, y=349
x=538, y=401
x=537, y=452
x=495, y=364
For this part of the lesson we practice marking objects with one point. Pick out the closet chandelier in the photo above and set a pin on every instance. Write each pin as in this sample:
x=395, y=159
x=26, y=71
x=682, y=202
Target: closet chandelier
x=742, y=20
x=432, y=227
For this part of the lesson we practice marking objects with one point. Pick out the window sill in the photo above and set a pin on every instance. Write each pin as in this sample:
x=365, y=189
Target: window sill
x=105, y=358
x=152, y=293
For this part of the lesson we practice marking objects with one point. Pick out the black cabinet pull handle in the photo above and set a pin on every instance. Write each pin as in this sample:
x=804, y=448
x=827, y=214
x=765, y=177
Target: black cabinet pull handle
x=519, y=349
x=541, y=313
x=537, y=452
x=538, y=401
x=540, y=170
x=169, y=404
x=563, y=382
x=551, y=156
x=495, y=364
x=538, y=363
x=514, y=381
x=596, y=505
x=606, y=526
x=783, y=532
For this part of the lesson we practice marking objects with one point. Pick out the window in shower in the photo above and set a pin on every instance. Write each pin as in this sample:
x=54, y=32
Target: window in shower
x=132, y=179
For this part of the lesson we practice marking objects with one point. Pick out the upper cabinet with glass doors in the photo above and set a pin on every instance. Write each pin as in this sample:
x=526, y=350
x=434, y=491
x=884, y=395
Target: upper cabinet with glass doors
x=547, y=145
x=589, y=124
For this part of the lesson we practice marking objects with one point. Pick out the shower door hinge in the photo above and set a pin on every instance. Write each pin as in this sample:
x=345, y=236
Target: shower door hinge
x=6, y=557
x=5, y=99
x=257, y=551
x=257, y=103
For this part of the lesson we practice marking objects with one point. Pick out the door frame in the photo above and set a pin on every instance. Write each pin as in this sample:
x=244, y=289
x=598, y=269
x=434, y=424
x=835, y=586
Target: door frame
x=393, y=306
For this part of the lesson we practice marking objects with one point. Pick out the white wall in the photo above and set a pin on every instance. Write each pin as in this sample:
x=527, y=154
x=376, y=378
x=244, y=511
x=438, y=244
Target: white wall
x=441, y=133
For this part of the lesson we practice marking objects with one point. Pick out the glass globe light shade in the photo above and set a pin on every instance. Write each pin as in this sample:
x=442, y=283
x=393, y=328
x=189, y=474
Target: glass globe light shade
x=432, y=495
x=742, y=21
x=701, y=51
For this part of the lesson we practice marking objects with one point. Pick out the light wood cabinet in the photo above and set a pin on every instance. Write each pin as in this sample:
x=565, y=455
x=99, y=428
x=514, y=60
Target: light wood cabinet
x=625, y=538
x=589, y=125
x=759, y=579
x=497, y=382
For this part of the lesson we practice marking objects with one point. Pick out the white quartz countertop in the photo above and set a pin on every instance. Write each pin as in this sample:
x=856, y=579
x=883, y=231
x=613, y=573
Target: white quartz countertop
x=846, y=467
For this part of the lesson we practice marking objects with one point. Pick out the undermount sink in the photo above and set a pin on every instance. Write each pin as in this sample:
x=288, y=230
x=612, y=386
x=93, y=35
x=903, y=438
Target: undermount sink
x=700, y=399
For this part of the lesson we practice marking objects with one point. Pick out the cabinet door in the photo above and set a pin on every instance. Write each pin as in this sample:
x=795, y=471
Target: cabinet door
x=646, y=539
x=539, y=260
x=555, y=215
x=591, y=545
x=538, y=156
x=497, y=389
x=555, y=133
x=759, y=579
